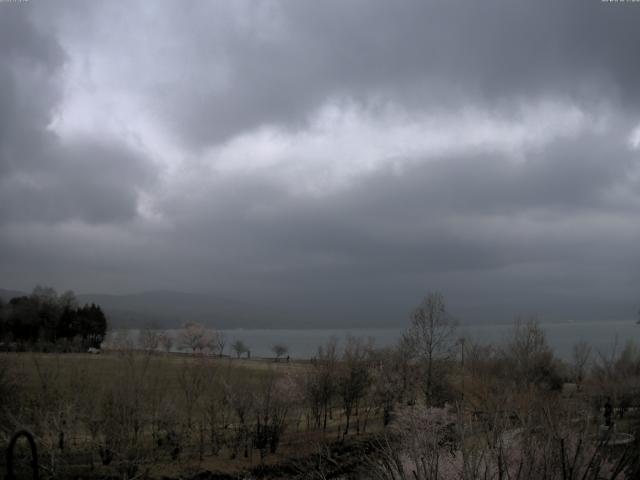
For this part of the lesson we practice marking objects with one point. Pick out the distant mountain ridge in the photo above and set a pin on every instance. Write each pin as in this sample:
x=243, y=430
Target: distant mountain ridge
x=171, y=309
x=7, y=295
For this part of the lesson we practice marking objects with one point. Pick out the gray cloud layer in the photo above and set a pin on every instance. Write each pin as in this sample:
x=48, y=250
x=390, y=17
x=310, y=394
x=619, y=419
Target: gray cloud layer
x=340, y=158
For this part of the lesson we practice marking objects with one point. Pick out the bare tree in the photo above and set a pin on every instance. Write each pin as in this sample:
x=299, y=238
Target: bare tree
x=166, y=341
x=193, y=377
x=390, y=380
x=216, y=412
x=239, y=347
x=320, y=383
x=148, y=340
x=580, y=358
x=240, y=396
x=353, y=378
x=529, y=357
x=273, y=399
x=431, y=334
x=68, y=300
x=122, y=422
x=220, y=340
x=279, y=349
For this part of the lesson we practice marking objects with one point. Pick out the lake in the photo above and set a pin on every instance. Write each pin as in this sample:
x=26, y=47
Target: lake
x=602, y=336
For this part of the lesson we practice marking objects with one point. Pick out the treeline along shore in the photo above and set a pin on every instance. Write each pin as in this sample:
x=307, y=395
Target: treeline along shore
x=433, y=406
x=48, y=322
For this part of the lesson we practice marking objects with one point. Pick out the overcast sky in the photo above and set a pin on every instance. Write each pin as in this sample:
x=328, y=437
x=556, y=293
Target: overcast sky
x=338, y=157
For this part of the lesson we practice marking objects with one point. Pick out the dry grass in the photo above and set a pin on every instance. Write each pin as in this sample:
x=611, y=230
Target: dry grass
x=28, y=367
x=83, y=381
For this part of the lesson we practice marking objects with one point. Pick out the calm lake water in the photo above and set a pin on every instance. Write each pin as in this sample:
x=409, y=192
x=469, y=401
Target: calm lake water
x=602, y=336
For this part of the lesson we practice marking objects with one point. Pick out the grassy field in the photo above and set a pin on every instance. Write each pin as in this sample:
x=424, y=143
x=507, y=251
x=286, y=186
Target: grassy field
x=154, y=394
x=67, y=368
x=129, y=414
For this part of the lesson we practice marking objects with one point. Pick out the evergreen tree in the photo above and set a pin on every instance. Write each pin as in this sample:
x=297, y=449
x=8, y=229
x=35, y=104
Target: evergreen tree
x=45, y=316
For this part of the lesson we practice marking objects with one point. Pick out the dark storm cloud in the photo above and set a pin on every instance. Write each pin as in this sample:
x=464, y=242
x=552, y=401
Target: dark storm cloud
x=434, y=216
x=483, y=228
x=525, y=219
x=30, y=90
x=277, y=63
x=42, y=177
x=89, y=181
